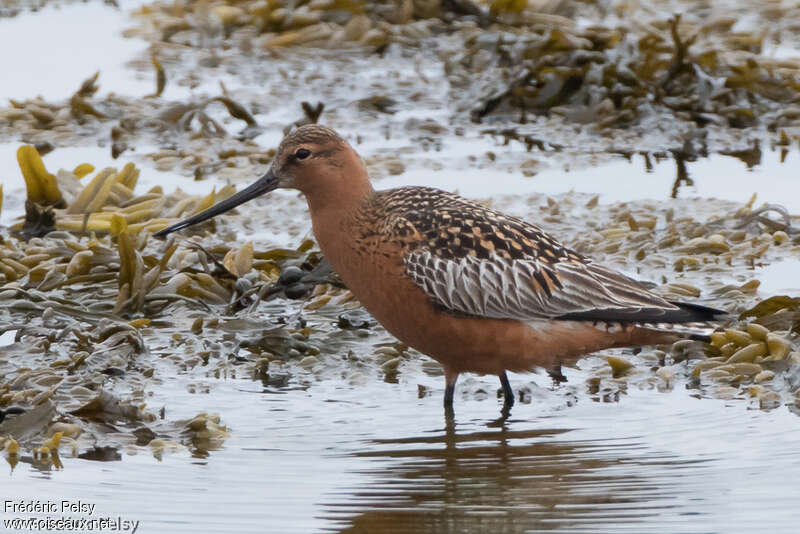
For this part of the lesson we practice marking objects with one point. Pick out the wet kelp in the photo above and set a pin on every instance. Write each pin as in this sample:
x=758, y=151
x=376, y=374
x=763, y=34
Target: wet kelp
x=754, y=355
x=616, y=77
x=608, y=66
x=545, y=69
x=105, y=203
x=182, y=130
x=80, y=304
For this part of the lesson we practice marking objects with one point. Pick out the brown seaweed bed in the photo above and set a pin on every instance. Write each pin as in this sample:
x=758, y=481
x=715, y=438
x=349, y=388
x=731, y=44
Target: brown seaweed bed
x=96, y=312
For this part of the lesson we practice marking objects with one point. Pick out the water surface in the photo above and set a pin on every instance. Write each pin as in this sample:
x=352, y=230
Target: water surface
x=376, y=458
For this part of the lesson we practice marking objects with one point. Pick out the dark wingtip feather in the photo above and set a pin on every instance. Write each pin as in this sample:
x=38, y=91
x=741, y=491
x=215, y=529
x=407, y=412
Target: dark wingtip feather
x=683, y=313
x=698, y=313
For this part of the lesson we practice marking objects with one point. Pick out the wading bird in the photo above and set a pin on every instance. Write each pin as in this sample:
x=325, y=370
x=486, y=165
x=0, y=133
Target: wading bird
x=474, y=289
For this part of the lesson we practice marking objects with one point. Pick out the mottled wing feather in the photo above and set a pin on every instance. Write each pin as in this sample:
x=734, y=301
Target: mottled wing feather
x=473, y=260
x=525, y=289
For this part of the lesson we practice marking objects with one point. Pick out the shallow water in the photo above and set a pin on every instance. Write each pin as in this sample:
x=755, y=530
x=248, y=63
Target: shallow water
x=780, y=277
x=616, y=178
x=337, y=450
x=82, y=38
x=375, y=458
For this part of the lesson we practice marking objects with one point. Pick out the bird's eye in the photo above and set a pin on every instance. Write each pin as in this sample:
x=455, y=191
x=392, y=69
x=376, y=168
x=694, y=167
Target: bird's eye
x=302, y=153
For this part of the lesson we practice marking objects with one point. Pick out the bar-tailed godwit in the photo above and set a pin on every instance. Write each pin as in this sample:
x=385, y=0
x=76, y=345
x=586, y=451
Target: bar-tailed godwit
x=476, y=290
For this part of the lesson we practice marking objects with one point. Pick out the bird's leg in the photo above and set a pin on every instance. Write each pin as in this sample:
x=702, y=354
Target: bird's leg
x=450, y=378
x=508, y=393
x=449, y=390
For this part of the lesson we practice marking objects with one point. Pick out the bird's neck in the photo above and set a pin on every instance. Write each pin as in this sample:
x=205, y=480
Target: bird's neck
x=334, y=207
x=335, y=202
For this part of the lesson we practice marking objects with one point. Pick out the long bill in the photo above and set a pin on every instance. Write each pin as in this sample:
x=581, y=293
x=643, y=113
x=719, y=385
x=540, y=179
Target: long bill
x=265, y=184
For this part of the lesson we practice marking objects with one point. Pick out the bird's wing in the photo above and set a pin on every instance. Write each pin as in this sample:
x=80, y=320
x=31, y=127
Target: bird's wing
x=473, y=260
x=527, y=289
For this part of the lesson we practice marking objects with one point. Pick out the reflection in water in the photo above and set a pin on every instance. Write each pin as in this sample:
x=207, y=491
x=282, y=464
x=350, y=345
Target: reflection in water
x=686, y=171
x=682, y=177
x=751, y=156
x=101, y=454
x=504, y=481
x=688, y=153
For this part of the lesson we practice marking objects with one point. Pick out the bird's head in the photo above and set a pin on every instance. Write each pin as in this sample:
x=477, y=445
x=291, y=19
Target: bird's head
x=313, y=159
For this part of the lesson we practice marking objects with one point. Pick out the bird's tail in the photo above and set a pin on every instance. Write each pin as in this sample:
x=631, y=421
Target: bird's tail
x=692, y=321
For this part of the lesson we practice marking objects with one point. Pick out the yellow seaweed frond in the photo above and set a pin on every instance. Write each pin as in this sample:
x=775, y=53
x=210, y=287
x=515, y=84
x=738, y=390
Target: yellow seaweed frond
x=41, y=185
x=118, y=224
x=128, y=176
x=93, y=196
x=161, y=76
x=82, y=170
